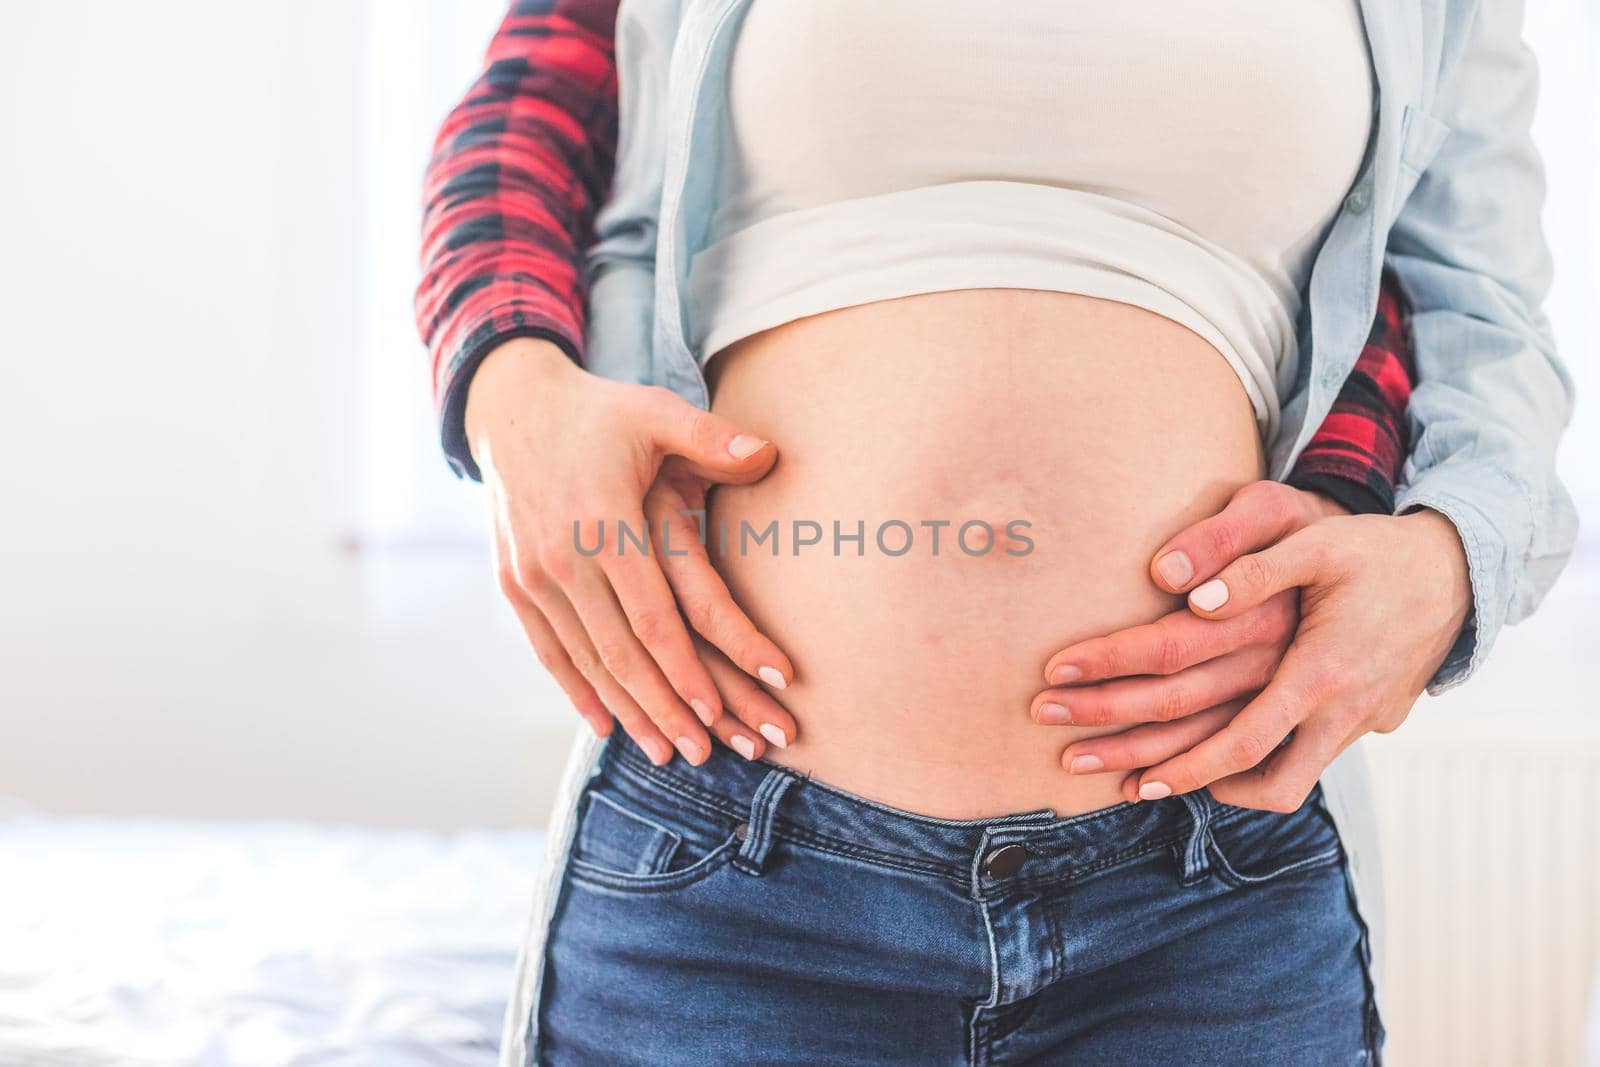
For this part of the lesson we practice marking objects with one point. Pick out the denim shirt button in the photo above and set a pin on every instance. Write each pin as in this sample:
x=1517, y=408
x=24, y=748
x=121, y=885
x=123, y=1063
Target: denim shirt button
x=1360, y=197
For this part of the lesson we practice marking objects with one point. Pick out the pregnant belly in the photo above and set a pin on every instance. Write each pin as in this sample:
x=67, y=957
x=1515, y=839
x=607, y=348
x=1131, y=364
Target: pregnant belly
x=1100, y=426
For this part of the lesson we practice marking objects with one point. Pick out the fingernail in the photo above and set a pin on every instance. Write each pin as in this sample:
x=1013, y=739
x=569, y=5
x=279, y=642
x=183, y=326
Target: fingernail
x=657, y=750
x=773, y=734
x=1054, y=715
x=773, y=677
x=691, y=749
x=702, y=710
x=1211, y=596
x=1084, y=765
x=1065, y=674
x=743, y=745
x=1154, y=791
x=1176, y=569
x=744, y=446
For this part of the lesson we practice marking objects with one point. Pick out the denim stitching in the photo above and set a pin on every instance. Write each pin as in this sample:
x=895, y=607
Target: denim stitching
x=976, y=1052
x=682, y=788
x=588, y=874
x=651, y=776
x=759, y=830
x=1315, y=805
x=1372, y=1029
x=799, y=835
x=1010, y=885
x=665, y=847
x=1058, y=946
x=783, y=828
x=1325, y=858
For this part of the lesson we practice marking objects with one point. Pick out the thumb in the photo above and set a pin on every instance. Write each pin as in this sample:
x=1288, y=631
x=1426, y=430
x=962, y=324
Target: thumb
x=715, y=448
x=1298, y=560
x=1257, y=515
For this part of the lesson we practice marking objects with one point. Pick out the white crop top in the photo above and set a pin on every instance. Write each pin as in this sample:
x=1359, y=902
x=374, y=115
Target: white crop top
x=1185, y=158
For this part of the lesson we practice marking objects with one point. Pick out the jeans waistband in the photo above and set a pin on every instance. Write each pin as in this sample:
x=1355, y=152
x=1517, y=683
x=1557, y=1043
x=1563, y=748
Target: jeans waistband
x=766, y=801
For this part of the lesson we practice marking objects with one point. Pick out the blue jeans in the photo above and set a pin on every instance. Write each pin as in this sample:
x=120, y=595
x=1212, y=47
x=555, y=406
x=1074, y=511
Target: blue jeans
x=738, y=913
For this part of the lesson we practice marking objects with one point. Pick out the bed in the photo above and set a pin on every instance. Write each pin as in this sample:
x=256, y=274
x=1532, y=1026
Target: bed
x=235, y=944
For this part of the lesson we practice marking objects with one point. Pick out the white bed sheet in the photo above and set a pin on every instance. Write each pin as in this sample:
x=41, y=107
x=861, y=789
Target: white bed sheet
x=233, y=944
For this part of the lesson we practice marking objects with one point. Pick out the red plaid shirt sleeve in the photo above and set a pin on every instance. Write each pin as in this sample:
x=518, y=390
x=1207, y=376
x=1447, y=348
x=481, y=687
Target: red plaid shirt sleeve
x=518, y=170
x=522, y=163
x=1358, y=452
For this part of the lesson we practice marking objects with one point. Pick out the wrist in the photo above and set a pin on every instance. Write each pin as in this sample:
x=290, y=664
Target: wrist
x=503, y=380
x=1445, y=553
x=1324, y=506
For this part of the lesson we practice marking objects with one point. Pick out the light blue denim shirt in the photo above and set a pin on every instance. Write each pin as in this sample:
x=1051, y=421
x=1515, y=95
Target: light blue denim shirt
x=1448, y=195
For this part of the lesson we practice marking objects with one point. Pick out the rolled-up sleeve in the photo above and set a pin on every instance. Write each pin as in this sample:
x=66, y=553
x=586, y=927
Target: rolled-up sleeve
x=1492, y=398
x=519, y=170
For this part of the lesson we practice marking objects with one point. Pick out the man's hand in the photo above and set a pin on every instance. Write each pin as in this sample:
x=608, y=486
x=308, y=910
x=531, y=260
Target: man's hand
x=1182, y=676
x=1381, y=601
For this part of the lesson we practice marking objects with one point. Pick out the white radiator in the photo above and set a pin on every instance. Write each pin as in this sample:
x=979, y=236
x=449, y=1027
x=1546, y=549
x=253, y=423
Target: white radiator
x=1491, y=852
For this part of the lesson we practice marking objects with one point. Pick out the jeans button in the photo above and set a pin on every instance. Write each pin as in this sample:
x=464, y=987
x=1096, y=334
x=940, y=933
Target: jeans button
x=1005, y=861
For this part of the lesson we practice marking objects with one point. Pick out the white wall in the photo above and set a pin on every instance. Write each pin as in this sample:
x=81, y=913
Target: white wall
x=183, y=628
x=212, y=395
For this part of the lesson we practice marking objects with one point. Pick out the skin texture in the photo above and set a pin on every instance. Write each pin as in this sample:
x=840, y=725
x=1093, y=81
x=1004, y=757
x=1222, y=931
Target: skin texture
x=1107, y=427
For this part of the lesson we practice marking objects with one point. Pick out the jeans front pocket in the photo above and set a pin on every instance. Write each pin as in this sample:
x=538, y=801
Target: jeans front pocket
x=622, y=844
x=1250, y=846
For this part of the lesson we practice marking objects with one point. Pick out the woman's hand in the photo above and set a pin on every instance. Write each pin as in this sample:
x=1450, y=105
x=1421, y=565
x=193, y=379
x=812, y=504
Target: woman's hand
x=568, y=458
x=1381, y=601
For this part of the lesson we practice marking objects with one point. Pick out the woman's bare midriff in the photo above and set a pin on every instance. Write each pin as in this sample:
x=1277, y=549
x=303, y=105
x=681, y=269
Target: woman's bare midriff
x=1104, y=427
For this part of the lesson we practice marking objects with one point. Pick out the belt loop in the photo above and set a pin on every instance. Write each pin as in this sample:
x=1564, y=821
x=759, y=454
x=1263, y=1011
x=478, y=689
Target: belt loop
x=752, y=855
x=1195, y=861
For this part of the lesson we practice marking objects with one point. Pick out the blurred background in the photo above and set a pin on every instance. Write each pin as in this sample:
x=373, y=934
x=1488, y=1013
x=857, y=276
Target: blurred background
x=272, y=754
